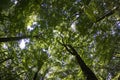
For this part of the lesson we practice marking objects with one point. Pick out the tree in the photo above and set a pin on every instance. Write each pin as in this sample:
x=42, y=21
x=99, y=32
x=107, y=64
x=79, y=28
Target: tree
x=59, y=36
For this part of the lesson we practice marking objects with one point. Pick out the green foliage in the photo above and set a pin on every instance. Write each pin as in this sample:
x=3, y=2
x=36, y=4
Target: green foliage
x=96, y=39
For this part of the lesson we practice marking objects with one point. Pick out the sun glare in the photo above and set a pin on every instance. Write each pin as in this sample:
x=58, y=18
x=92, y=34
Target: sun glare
x=73, y=26
x=22, y=44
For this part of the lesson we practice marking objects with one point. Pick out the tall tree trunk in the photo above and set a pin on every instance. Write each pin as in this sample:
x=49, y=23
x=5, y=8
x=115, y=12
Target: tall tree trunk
x=85, y=69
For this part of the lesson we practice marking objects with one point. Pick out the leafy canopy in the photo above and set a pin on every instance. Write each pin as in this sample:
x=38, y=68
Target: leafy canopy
x=92, y=27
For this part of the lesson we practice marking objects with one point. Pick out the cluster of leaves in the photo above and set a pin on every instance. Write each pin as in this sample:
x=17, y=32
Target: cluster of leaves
x=92, y=27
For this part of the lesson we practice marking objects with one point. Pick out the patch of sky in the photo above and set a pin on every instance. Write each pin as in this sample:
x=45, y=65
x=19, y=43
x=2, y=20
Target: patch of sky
x=32, y=27
x=118, y=25
x=73, y=26
x=22, y=43
x=14, y=1
x=5, y=46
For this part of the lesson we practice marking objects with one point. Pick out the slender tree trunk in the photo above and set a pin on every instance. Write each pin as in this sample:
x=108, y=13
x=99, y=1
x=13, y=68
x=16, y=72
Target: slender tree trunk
x=85, y=69
x=35, y=75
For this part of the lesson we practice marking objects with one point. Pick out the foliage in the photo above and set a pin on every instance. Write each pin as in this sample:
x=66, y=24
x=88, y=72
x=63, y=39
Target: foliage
x=92, y=27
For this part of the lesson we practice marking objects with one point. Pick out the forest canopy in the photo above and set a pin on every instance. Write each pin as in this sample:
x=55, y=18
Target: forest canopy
x=59, y=39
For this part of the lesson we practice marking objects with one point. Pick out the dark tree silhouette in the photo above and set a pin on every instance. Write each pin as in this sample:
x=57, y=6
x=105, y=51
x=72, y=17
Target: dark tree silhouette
x=7, y=39
x=85, y=69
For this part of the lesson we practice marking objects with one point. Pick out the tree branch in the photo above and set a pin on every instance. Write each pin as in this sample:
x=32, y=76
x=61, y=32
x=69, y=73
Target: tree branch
x=36, y=73
x=109, y=13
x=66, y=47
x=2, y=61
x=16, y=38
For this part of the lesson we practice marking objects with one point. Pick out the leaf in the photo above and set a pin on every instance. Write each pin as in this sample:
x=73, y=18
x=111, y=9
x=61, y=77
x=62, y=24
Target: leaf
x=89, y=13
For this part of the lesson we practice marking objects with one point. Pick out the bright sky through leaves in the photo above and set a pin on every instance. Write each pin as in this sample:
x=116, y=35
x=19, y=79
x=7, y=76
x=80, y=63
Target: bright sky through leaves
x=34, y=35
x=22, y=44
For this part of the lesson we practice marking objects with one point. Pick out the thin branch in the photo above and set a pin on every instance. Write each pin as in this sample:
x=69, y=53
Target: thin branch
x=2, y=61
x=36, y=73
x=66, y=47
x=74, y=52
x=16, y=38
x=109, y=13
x=43, y=76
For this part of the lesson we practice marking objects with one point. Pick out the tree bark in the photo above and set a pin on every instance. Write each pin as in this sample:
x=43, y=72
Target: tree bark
x=85, y=69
